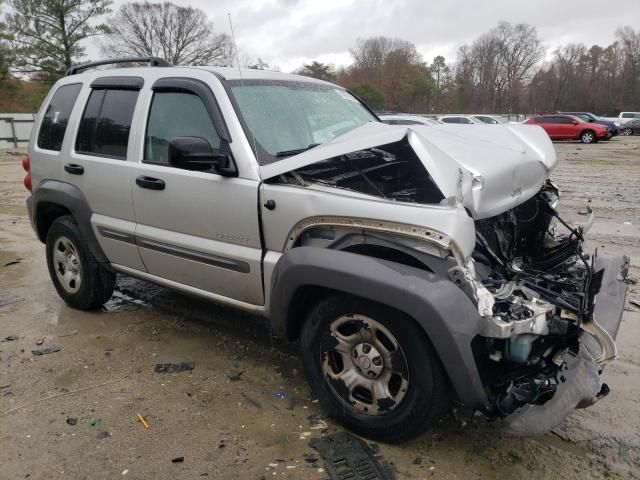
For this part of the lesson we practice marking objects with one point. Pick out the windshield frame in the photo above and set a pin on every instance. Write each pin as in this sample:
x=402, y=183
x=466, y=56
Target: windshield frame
x=262, y=156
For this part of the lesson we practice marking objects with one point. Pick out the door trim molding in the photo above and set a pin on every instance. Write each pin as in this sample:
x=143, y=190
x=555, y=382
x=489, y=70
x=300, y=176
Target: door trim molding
x=175, y=250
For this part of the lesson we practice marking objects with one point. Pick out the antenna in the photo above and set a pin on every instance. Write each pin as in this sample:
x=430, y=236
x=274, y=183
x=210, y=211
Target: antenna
x=235, y=48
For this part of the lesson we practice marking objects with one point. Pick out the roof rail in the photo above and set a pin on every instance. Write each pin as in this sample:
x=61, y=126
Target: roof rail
x=152, y=61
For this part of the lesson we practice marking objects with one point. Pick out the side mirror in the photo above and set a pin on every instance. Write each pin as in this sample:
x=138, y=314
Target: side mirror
x=574, y=122
x=195, y=153
x=591, y=120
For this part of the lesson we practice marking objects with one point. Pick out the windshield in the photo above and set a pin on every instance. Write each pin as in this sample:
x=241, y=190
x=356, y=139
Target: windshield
x=283, y=118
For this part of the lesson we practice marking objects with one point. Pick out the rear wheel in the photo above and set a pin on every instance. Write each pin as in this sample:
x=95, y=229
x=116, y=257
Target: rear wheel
x=588, y=136
x=80, y=280
x=373, y=368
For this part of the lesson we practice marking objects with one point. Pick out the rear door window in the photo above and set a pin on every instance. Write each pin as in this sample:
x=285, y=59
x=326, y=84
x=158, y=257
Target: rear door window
x=106, y=121
x=56, y=117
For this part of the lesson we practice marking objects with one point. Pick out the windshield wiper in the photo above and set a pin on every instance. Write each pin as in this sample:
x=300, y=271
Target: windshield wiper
x=289, y=153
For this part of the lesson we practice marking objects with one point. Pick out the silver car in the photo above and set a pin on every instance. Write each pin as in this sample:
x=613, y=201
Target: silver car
x=414, y=265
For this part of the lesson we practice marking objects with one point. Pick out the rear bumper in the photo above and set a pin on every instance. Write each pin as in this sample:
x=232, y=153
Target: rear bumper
x=29, y=204
x=582, y=386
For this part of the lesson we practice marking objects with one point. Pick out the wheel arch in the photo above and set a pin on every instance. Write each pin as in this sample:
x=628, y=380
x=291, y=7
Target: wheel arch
x=442, y=310
x=53, y=199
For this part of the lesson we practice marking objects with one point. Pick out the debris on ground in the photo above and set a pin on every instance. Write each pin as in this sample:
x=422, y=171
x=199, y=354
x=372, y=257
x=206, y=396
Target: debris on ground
x=68, y=334
x=317, y=422
x=177, y=460
x=102, y=435
x=72, y=420
x=346, y=456
x=281, y=395
x=10, y=338
x=13, y=262
x=45, y=350
x=95, y=422
x=143, y=421
x=234, y=376
x=40, y=341
x=173, y=367
x=251, y=401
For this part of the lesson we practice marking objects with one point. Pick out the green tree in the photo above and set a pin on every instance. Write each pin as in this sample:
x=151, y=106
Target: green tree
x=369, y=95
x=47, y=34
x=319, y=70
x=5, y=51
x=439, y=71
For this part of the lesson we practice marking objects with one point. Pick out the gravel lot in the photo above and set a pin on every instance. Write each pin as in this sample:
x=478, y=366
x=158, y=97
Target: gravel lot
x=80, y=405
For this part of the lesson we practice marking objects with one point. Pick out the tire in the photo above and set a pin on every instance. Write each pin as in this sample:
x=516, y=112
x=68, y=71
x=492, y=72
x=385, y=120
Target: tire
x=422, y=392
x=627, y=131
x=588, y=136
x=80, y=280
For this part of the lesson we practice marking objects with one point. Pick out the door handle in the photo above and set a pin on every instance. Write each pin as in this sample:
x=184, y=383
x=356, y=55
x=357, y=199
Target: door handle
x=74, y=169
x=150, y=183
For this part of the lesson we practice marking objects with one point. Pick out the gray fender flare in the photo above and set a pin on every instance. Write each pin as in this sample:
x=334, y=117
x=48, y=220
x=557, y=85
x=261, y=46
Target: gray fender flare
x=71, y=198
x=442, y=309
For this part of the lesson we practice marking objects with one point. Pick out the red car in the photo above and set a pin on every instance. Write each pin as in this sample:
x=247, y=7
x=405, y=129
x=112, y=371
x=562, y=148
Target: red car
x=569, y=127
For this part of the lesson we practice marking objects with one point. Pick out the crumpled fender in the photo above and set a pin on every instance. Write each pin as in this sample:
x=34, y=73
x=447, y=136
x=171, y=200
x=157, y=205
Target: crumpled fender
x=446, y=314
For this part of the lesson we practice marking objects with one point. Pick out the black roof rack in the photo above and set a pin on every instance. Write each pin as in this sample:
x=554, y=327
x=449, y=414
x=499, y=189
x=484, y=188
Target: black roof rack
x=152, y=61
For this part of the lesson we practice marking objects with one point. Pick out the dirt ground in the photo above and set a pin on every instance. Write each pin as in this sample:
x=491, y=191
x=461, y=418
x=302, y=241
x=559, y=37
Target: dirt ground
x=228, y=418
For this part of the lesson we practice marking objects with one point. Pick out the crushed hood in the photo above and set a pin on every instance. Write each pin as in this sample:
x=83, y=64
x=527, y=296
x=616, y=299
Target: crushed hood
x=488, y=168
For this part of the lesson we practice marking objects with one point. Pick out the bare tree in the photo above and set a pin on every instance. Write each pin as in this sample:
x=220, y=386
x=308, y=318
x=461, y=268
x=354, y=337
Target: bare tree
x=629, y=41
x=371, y=53
x=47, y=34
x=180, y=35
x=520, y=52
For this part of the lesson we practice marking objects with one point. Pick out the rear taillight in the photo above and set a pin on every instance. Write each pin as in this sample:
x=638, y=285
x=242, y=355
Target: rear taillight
x=26, y=164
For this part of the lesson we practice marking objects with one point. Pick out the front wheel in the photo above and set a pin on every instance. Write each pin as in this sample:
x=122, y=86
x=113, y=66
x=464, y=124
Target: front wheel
x=627, y=131
x=373, y=369
x=588, y=137
x=81, y=281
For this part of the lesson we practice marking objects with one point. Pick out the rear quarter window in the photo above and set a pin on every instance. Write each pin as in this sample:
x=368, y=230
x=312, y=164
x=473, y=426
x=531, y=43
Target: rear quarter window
x=56, y=117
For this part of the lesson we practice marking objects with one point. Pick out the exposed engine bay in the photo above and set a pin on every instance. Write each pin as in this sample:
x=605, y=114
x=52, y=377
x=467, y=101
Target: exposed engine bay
x=544, y=286
x=392, y=171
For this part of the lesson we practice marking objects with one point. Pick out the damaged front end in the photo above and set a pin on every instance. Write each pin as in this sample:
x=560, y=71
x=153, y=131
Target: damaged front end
x=547, y=312
x=554, y=314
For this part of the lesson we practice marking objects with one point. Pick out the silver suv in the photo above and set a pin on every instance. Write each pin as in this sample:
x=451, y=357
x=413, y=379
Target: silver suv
x=414, y=265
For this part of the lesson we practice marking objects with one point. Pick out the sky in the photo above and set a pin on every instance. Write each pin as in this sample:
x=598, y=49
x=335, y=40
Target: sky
x=288, y=33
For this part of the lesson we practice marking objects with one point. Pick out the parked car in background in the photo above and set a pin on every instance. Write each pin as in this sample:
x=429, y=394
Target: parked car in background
x=632, y=127
x=491, y=119
x=625, y=116
x=460, y=119
x=569, y=127
x=401, y=119
x=613, y=126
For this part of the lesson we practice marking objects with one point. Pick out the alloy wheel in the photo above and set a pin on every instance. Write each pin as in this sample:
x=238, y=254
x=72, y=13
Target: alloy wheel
x=364, y=364
x=67, y=265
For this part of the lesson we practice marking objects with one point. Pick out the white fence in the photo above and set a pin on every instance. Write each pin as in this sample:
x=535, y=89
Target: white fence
x=15, y=129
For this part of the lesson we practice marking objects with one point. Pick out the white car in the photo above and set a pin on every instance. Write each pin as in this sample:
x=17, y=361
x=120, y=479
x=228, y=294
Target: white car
x=491, y=119
x=460, y=119
x=408, y=120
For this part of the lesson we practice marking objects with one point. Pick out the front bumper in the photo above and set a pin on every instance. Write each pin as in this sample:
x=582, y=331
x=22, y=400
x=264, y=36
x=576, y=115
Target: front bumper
x=582, y=385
